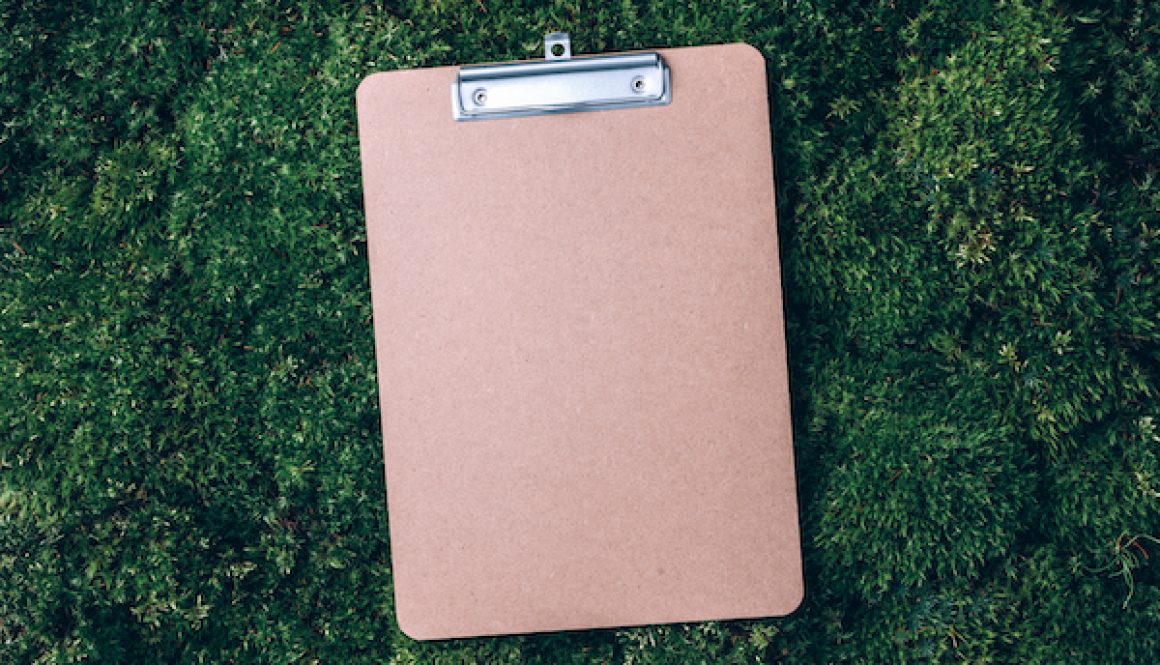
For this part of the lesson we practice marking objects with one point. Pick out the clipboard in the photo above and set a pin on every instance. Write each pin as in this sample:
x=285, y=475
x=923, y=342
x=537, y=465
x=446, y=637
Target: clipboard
x=580, y=342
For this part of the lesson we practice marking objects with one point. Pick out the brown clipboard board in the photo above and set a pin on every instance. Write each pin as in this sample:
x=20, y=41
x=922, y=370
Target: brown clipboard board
x=580, y=348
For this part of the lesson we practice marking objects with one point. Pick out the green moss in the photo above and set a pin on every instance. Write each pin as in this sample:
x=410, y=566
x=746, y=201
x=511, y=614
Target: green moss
x=189, y=443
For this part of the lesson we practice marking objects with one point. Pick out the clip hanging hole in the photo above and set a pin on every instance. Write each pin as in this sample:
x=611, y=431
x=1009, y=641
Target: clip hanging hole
x=479, y=97
x=557, y=46
x=638, y=84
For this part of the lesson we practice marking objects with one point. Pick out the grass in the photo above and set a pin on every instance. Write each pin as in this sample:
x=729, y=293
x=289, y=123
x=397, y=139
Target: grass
x=970, y=220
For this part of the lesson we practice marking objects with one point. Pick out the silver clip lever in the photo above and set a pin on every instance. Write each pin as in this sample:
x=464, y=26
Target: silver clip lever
x=560, y=84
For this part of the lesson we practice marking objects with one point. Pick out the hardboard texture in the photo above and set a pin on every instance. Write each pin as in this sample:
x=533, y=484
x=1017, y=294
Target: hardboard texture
x=581, y=357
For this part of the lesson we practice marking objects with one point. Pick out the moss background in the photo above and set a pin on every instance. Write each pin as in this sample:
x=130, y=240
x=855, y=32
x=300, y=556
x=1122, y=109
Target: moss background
x=970, y=219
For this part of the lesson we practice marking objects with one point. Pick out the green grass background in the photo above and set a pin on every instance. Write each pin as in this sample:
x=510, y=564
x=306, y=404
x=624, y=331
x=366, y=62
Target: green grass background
x=970, y=223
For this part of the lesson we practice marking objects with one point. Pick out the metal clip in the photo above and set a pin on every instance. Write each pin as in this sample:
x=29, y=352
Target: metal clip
x=560, y=84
